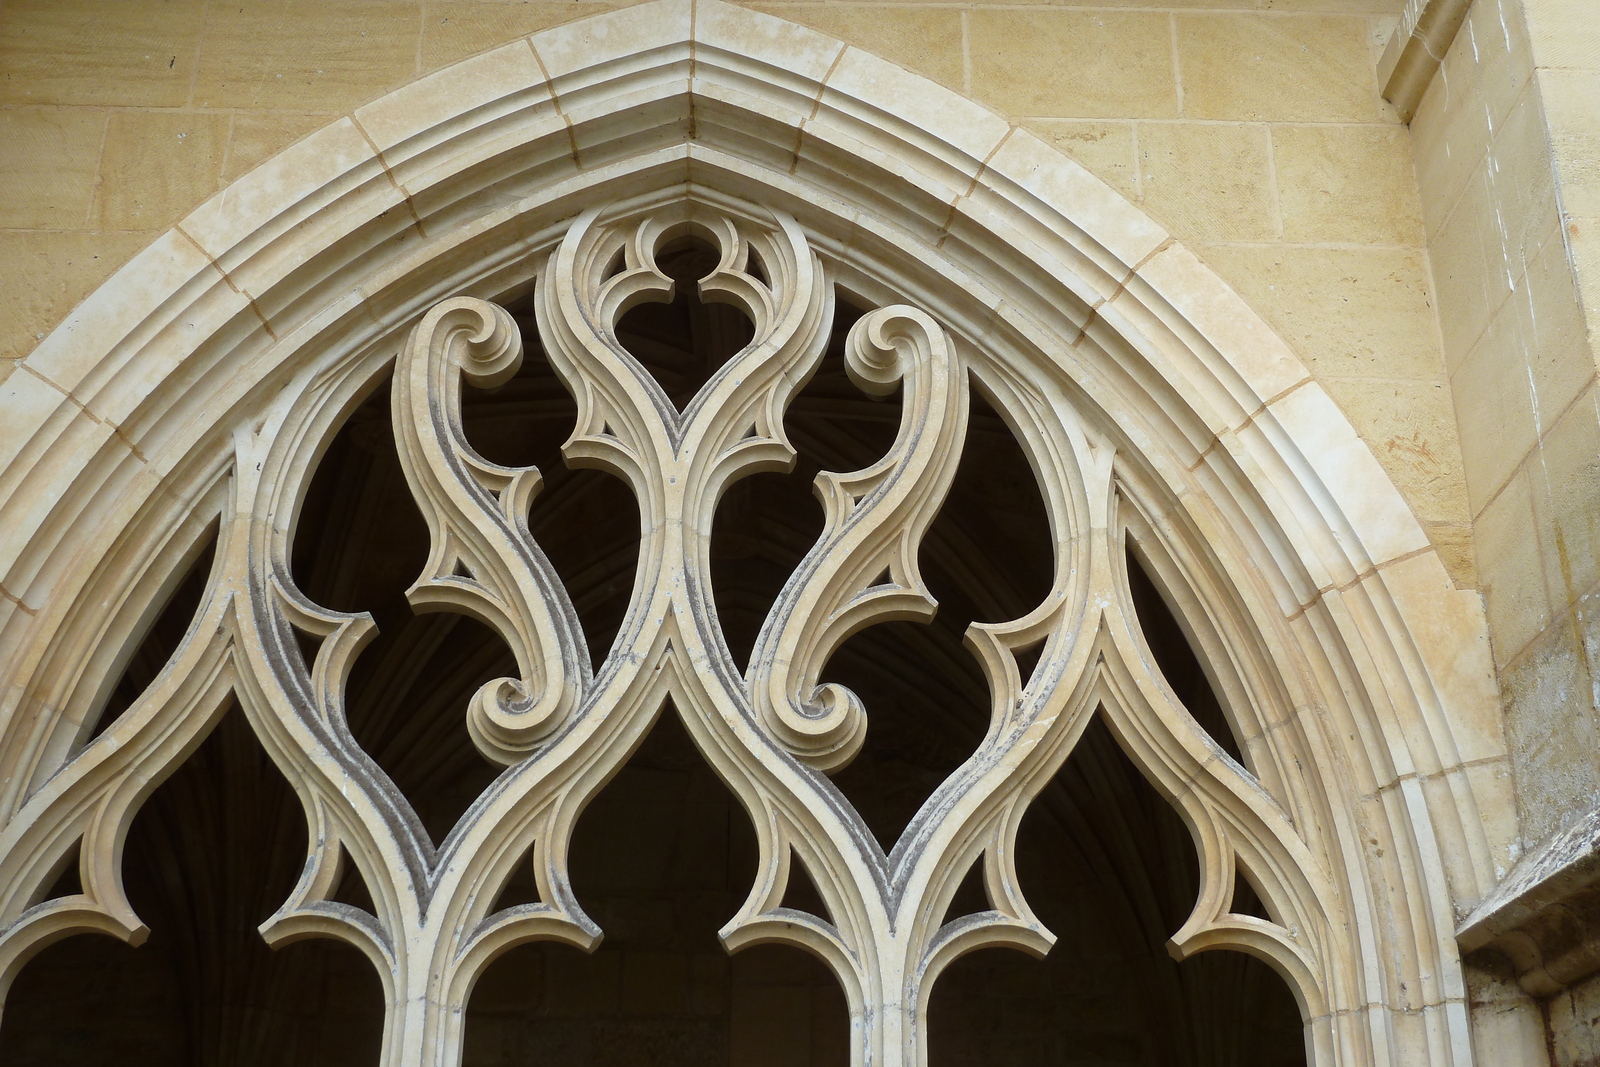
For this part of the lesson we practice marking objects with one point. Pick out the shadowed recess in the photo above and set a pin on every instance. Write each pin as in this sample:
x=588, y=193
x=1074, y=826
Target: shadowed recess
x=213, y=852
x=160, y=641
x=683, y=342
x=766, y=523
x=988, y=557
x=586, y=521
x=1111, y=869
x=1176, y=657
x=68, y=882
x=661, y=858
x=971, y=896
x=361, y=542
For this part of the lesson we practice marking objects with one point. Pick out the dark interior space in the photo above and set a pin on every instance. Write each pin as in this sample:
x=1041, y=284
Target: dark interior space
x=1110, y=869
x=665, y=854
x=212, y=853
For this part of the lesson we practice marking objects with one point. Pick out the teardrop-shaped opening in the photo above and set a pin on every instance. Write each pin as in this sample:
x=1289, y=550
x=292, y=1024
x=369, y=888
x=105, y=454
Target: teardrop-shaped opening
x=1110, y=868
x=802, y=894
x=66, y=879
x=585, y=521
x=308, y=645
x=660, y=859
x=766, y=523
x=215, y=850
x=988, y=557
x=684, y=341
x=160, y=641
x=971, y=895
x=1027, y=660
x=1246, y=898
x=1176, y=657
x=352, y=888
x=521, y=888
x=360, y=542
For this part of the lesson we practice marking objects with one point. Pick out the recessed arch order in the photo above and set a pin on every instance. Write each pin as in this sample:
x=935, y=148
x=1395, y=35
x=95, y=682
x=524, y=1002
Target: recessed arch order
x=1357, y=676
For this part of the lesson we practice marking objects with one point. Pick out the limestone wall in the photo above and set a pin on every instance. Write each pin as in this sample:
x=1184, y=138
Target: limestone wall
x=1253, y=129
x=1507, y=140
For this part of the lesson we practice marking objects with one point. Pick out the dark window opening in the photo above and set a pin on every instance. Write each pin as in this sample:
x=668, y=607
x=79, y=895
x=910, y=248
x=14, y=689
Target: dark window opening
x=160, y=642
x=683, y=342
x=661, y=859
x=213, y=852
x=1110, y=868
x=1177, y=659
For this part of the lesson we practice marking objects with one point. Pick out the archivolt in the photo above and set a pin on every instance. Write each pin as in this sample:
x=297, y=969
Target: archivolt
x=1355, y=675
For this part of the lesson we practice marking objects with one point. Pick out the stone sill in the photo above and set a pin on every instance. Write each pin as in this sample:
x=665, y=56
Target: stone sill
x=1545, y=917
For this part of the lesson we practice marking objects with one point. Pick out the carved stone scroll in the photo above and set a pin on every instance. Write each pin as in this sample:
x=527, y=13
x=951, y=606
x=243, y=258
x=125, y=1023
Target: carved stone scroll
x=771, y=732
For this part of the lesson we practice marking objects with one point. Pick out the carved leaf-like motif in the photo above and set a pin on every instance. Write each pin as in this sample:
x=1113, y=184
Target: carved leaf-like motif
x=771, y=732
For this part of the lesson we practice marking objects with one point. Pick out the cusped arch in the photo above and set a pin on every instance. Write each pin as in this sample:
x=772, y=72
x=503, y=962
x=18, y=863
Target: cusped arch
x=1297, y=561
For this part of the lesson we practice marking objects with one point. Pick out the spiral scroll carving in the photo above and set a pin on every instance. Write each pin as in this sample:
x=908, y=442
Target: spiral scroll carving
x=773, y=731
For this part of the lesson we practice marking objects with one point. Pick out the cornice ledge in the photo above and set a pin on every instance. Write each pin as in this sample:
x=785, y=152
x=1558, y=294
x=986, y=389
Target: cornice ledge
x=1545, y=916
x=1413, y=54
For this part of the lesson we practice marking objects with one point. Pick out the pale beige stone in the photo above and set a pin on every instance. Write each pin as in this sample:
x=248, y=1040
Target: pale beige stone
x=157, y=166
x=42, y=275
x=1565, y=484
x=1484, y=75
x=1495, y=410
x=1351, y=184
x=594, y=41
x=1555, y=336
x=925, y=40
x=1496, y=40
x=1306, y=498
x=1450, y=139
x=1522, y=184
x=1384, y=8
x=1104, y=148
x=1208, y=182
x=132, y=53
x=1128, y=233
x=1241, y=337
x=1583, y=234
x=455, y=29
x=1348, y=312
x=48, y=167
x=1275, y=68
x=1513, y=578
x=498, y=78
x=724, y=30
x=1456, y=550
x=318, y=56
x=1571, y=100
x=138, y=294
x=258, y=136
x=1367, y=499
x=1552, y=730
x=1469, y=273
x=972, y=128
x=1411, y=428
x=223, y=221
x=1099, y=64
x=27, y=402
x=1563, y=34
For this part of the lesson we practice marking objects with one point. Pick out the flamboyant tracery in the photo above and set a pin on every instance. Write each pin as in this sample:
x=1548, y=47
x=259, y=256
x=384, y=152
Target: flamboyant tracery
x=568, y=716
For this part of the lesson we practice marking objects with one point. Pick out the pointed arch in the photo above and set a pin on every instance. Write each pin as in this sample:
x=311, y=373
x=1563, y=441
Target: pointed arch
x=1359, y=675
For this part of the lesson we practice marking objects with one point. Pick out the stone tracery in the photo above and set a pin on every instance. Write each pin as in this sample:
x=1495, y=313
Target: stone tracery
x=562, y=729
x=1130, y=302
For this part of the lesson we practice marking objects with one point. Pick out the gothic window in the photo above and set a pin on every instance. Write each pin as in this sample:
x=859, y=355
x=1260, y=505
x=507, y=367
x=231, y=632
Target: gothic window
x=704, y=589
